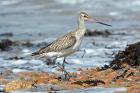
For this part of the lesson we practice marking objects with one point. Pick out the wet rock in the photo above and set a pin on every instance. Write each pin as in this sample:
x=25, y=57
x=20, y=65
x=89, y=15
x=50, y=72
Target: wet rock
x=40, y=78
x=84, y=79
x=110, y=76
x=53, y=81
x=42, y=44
x=97, y=33
x=3, y=82
x=121, y=76
x=15, y=58
x=5, y=44
x=27, y=44
x=19, y=84
x=51, y=88
x=103, y=68
x=135, y=88
x=8, y=34
x=89, y=82
x=130, y=56
x=6, y=73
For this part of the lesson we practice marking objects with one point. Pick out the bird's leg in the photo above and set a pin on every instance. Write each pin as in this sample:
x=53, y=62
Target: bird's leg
x=64, y=70
x=54, y=60
x=83, y=53
x=64, y=61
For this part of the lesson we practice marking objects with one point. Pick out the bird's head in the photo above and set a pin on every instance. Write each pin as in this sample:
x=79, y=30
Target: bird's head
x=84, y=16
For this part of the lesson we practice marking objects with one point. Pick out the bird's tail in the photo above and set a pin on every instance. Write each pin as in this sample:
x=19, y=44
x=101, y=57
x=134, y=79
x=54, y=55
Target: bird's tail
x=35, y=54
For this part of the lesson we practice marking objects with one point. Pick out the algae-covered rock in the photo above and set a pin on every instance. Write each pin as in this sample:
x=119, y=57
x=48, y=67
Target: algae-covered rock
x=5, y=44
x=104, y=33
x=19, y=84
x=130, y=56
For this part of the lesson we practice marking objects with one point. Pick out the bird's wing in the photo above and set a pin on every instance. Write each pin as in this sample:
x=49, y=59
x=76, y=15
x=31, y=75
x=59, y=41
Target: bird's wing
x=62, y=43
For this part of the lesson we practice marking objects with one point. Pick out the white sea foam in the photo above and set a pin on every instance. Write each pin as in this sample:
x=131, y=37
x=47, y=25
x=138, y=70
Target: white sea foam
x=95, y=62
x=114, y=13
x=117, y=44
x=76, y=61
x=95, y=51
x=36, y=62
x=26, y=51
x=95, y=90
x=2, y=87
x=16, y=70
x=18, y=62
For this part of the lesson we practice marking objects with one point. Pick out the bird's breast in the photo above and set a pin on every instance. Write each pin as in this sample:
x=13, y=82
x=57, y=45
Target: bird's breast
x=77, y=44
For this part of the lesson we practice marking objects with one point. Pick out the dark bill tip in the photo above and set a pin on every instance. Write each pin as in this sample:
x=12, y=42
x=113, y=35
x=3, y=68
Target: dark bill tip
x=104, y=24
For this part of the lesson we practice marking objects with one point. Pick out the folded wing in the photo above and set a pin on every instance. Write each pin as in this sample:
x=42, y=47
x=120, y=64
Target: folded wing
x=62, y=43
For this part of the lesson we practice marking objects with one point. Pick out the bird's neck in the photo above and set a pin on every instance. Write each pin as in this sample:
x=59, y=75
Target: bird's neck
x=81, y=28
x=81, y=24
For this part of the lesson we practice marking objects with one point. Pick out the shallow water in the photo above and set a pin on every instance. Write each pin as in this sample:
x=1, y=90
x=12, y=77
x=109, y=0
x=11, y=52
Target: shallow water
x=88, y=90
x=53, y=18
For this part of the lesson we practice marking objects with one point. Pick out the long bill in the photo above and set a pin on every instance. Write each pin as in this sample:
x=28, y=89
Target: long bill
x=104, y=23
x=95, y=21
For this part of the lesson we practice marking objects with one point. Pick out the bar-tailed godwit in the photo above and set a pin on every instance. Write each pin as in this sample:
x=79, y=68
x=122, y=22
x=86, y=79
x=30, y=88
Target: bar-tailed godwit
x=69, y=43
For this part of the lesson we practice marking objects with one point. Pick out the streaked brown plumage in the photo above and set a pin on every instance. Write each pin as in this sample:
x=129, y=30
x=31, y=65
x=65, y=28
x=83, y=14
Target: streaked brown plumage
x=60, y=44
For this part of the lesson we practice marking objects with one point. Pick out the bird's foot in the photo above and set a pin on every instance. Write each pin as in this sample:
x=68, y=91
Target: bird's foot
x=66, y=74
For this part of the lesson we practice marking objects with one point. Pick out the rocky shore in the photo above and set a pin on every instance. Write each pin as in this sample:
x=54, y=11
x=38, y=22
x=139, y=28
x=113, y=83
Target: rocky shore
x=123, y=71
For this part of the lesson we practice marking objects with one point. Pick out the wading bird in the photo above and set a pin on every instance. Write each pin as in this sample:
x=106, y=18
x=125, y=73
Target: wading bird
x=69, y=43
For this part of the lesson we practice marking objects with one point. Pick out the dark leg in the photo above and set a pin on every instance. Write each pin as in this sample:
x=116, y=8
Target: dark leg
x=54, y=60
x=63, y=64
x=64, y=70
x=84, y=53
x=65, y=60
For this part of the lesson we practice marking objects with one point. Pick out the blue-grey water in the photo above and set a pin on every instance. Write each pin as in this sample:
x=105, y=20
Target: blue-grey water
x=53, y=18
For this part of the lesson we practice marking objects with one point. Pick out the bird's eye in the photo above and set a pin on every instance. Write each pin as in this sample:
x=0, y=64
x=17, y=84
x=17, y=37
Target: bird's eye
x=85, y=16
